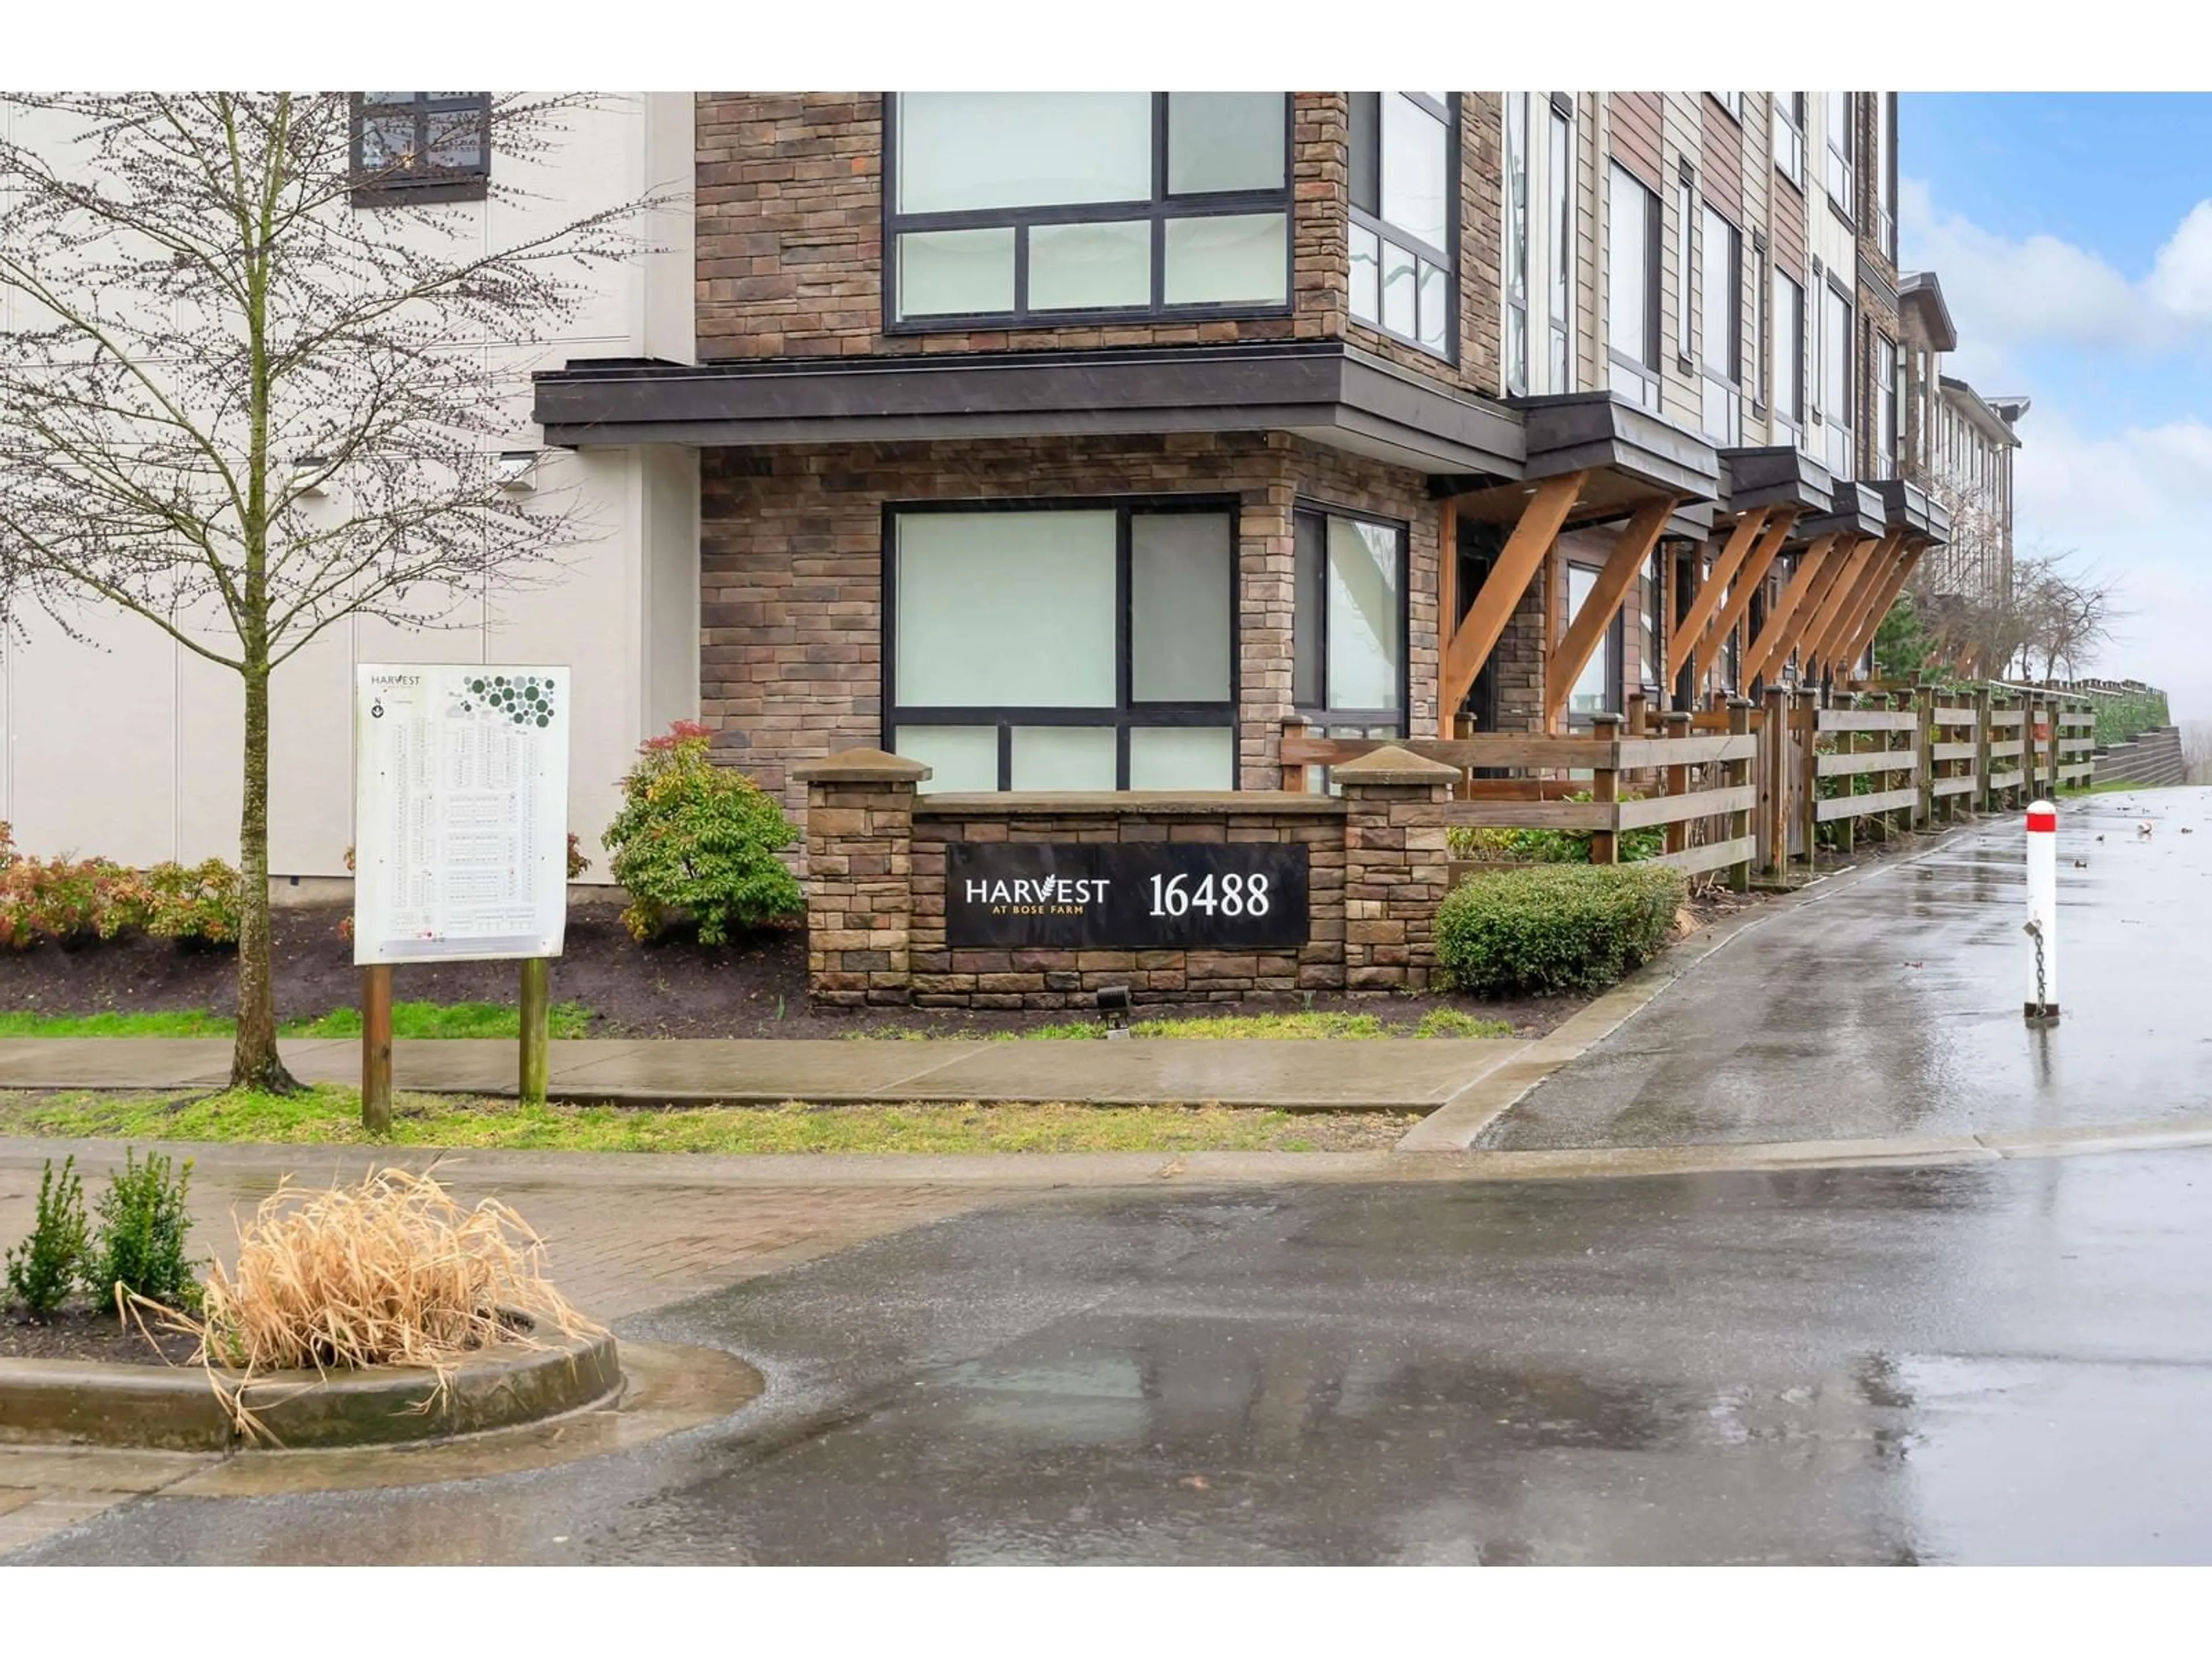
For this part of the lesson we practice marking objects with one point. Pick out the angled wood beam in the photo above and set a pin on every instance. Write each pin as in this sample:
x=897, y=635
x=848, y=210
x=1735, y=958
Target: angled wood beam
x=1739, y=601
x=1856, y=642
x=1777, y=640
x=1821, y=645
x=1474, y=639
x=1630, y=550
x=1850, y=566
x=1687, y=632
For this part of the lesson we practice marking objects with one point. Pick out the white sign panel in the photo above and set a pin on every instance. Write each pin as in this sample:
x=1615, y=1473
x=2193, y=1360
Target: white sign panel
x=460, y=812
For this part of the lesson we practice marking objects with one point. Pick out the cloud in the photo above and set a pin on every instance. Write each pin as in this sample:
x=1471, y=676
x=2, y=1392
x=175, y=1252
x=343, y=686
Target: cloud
x=2008, y=293
x=2132, y=503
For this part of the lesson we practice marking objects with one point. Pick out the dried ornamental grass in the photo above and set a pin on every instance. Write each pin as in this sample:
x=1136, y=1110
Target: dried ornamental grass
x=391, y=1272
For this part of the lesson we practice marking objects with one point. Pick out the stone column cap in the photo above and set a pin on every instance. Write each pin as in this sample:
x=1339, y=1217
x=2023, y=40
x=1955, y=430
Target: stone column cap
x=861, y=766
x=1394, y=765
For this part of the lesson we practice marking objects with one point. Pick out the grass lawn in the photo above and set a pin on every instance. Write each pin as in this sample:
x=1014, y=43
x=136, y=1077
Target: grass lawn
x=330, y=1115
x=409, y=1019
x=1437, y=1023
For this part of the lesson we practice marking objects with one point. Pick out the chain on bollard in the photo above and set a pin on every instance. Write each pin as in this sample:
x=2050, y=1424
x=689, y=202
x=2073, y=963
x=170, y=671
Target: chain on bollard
x=2042, y=927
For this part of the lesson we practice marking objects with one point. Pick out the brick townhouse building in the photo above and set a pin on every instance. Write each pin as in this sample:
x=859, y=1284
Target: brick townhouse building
x=1085, y=441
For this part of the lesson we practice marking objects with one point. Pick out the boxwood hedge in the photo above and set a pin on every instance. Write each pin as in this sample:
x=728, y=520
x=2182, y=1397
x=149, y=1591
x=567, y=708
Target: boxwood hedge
x=1555, y=928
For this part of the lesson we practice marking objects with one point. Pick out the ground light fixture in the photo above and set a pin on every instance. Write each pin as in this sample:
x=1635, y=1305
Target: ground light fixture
x=1114, y=1009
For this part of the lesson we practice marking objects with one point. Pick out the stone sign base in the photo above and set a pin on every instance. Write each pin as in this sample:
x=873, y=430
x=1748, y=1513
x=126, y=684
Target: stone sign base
x=876, y=856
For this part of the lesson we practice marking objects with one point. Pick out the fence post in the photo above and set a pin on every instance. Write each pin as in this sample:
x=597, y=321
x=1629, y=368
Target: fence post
x=1774, y=776
x=1924, y=698
x=1605, y=788
x=1678, y=781
x=1847, y=783
x=1809, y=781
x=1978, y=798
x=1293, y=778
x=1738, y=773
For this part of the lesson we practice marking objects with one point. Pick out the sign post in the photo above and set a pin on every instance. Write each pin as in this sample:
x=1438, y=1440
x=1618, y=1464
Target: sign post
x=2042, y=928
x=461, y=840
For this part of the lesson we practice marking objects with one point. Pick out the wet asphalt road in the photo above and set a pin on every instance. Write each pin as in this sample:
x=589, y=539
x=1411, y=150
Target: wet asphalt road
x=2003, y=1363
x=1891, y=1006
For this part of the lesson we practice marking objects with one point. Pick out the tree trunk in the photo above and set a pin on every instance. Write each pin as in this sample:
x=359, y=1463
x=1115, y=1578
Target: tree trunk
x=254, y=1063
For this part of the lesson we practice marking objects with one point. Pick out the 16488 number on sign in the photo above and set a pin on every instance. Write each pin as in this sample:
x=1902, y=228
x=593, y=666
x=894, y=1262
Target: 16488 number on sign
x=1240, y=894
x=1145, y=895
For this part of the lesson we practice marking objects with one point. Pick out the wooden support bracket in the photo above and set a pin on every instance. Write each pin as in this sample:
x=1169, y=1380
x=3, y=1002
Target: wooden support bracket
x=1740, y=542
x=1739, y=601
x=1630, y=550
x=1815, y=565
x=1476, y=638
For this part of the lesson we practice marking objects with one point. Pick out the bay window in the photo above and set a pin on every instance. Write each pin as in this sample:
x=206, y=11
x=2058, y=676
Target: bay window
x=1516, y=241
x=1405, y=182
x=1063, y=647
x=1632, y=287
x=1053, y=207
x=420, y=147
x=1723, y=307
x=1348, y=628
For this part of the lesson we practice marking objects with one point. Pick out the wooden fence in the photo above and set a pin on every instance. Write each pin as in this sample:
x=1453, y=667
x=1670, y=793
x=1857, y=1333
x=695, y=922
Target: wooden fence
x=1744, y=789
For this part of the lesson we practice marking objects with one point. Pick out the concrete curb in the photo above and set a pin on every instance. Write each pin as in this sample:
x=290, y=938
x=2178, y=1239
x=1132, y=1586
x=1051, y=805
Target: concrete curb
x=1461, y=1121
x=76, y=1402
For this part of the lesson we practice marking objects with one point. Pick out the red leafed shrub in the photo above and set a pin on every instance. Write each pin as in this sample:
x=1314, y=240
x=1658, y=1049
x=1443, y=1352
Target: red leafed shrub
x=62, y=901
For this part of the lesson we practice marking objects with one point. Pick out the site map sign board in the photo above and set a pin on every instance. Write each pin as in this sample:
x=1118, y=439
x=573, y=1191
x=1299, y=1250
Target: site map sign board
x=460, y=812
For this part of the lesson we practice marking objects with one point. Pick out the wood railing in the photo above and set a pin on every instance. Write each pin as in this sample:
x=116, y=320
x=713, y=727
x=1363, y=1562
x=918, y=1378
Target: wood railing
x=1880, y=744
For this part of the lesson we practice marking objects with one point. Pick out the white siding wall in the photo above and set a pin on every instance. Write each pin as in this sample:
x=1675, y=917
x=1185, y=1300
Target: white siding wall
x=127, y=745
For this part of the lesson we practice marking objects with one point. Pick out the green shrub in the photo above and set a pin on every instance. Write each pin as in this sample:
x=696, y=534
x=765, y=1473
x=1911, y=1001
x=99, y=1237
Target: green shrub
x=140, y=1240
x=62, y=901
x=701, y=838
x=1566, y=928
x=1488, y=845
x=200, y=903
x=42, y=1269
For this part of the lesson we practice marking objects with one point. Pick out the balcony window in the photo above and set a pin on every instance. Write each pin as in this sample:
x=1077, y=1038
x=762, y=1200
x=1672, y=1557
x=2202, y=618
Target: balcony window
x=1405, y=185
x=1560, y=218
x=421, y=147
x=1011, y=670
x=1723, y=306
x=1885, y=392
x=1064, y=207
x=1790, y=135
x=1516, y=241
x=1631, y=288
x=1836, y=379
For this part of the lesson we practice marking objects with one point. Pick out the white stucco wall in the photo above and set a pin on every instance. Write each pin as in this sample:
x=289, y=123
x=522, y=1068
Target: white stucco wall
x=127, y=744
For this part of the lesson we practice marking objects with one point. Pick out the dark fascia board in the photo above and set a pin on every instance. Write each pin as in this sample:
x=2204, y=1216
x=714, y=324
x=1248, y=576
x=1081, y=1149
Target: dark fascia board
x=1993, y=425
x=1939, y=521
x=1781, y=475
x=1920, y=288
x=1693, y=519
x=1585, y=431
x=1858, y=511
x=1906, y=507
x=1314, y=386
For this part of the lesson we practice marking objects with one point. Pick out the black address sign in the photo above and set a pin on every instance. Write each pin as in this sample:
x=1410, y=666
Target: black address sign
x=1146, y=896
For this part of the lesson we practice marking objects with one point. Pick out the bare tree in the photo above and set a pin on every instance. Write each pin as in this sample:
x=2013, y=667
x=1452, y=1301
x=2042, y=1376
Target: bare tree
x=237, y=406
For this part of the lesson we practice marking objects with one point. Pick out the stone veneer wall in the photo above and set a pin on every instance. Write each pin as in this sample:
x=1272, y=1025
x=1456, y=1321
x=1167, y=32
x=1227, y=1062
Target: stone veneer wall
x=875, y=886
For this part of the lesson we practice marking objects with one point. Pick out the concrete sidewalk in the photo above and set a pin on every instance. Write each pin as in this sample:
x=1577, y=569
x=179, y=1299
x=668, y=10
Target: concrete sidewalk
x=1406, y=1074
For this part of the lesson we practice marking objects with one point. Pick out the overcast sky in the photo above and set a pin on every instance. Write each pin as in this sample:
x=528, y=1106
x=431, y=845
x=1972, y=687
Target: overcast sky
x=2072, y=236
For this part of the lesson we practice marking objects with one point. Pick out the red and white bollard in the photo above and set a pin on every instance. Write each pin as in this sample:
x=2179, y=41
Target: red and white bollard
x=2042, y=928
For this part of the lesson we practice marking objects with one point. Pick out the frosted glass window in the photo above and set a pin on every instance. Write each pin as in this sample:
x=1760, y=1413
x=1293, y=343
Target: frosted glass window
x=1415, y=170
x=1179, y=604
x=1435, y=307
x=1366, y=275
x=952, y=272
x=1398, y=291
x=1225, y=140
x=1065, y=756
x=1227, y=258
x=964, y=150
x=1362, y=615
x=962, y=759
x=1008, y=610
x=1182, y=757
x=1593, y=688
x=1090, y=267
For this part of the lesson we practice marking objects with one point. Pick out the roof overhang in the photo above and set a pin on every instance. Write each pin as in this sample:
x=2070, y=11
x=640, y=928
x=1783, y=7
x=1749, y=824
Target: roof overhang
x=1597, y=431
x=1857, y=511
x=1783, y=476
x=1919, y=291
x=1977, y=409
x=1906, y=506
x=1331, y=393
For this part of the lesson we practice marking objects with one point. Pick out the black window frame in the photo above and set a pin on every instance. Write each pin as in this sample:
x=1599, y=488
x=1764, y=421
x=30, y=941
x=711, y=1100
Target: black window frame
x=1126, y=713
x=1843, y=151
x=1833, y=288
x=1365, y=132
x=1514, y=238
x=387, y=188
x=1730, y=374
x=1325, y=714
x=1794, y=415
x=1655, y=234
x=1686, y=248
x=1560, y=193
x=1787, y=111
x=1161, y=208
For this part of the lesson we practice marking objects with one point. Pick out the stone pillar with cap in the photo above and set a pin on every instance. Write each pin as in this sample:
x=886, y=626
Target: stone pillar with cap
x=1397, y=866
x=859, y=867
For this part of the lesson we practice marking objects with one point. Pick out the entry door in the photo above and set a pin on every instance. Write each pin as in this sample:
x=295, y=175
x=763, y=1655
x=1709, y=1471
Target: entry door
x=1479, y=547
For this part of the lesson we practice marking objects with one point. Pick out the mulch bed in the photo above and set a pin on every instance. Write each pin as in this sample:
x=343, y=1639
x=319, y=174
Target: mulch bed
x=673, y=988
x=85, y=1334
